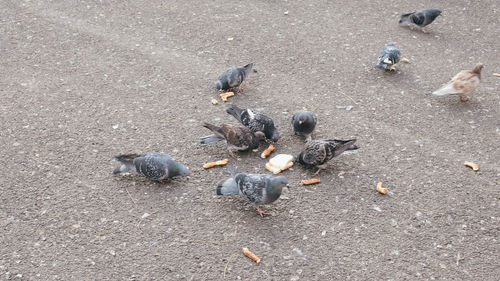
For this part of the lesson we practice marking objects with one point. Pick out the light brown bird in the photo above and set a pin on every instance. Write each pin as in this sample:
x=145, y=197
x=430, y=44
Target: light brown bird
x=465, y=82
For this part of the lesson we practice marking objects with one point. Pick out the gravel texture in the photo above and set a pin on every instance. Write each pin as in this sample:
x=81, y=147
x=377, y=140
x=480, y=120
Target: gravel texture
x=83, y=81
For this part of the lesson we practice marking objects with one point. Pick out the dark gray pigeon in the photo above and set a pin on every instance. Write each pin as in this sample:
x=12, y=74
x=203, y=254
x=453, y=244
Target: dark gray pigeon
x=421, y=18
x=303, y=123
x=259, y=189
x=256, y=122
x=237, y=137
x=318, y=152
x=388, y=57
x=233, y=77
x=154, y=166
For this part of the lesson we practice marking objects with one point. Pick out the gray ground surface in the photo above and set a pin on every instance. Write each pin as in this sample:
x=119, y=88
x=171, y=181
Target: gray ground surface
x=82, y=81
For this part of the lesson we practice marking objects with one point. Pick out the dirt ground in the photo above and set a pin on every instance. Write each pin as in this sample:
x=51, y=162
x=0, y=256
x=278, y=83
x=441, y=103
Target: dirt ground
x=83, y=81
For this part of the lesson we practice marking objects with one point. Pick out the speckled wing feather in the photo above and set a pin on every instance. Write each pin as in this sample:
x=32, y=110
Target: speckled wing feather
x=239, y=136
x=388, y=57
x=257, y=188
x=252, y=186
x=314, y=153
x=318, y=152
x=421, y=18
x=233, y=77
x=153, y=166
x=256, y=122
x=417, y=18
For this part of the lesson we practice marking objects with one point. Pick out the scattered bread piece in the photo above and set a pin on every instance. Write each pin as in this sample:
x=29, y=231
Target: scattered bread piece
x=214, y=101
x=216, y=163
x=405, y=60
x=473, y=165
x=224, y=96
x=311, y=181
x=279, y=163
x=251, y=255
x=267, y=152
x=380, y=189
x=496, y=74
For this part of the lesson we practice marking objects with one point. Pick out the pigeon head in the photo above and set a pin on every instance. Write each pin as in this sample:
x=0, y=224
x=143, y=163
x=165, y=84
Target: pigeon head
x=304, y=118
x=270, y=131
x=260, y=135
x=278, y=182
x=177, y=169
x=218, y=85
x=477, y=69
x=275, y=135
x=248, y=68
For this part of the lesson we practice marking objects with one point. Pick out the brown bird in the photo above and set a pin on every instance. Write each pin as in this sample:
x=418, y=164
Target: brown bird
x=238, y=137
x=465, y=82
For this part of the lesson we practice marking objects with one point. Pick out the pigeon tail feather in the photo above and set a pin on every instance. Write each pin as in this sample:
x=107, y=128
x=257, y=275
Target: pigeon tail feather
x=344, y=145
x=210, y=139
x=405, y=17
x=232, y=171
x=227, y=186
x=446, y=90
x=127, y=163
x=211, y=127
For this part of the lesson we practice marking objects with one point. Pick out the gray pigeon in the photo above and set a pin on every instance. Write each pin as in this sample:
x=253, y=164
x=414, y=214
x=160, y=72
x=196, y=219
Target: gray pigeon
x=316, y=153
x=259, y=189
x=388, y=57
x=233, y=77
x=154, y=166
x=421, y=18
x=256, y=122
x=303, y=123
x=237, y=137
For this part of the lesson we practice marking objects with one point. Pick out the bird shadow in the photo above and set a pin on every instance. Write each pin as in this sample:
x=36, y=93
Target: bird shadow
x=418, y=31
x=139, y=180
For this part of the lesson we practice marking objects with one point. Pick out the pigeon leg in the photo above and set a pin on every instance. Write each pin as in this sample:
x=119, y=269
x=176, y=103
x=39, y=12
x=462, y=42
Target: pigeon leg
x=238, y=90
x=317, y=172
x=424, y=30
x=164, y=180
x=262, y=212
x=233, y=154
x=463, y=99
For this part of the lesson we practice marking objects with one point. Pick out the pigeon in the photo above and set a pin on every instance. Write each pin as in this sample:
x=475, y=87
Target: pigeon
x=259, y=189
x=316, y=153
x=256, y=122
x=388, y=57
x=465, y=82
x=233, y=77
x=421, y=18
x=155, y=166
x=237, y=137
x=303, y=123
